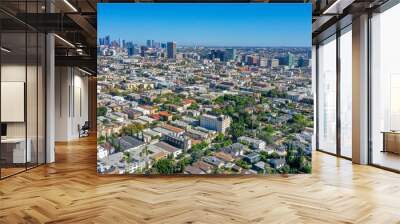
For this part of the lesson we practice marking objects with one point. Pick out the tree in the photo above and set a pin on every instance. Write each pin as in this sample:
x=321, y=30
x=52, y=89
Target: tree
x=114, y=141
x=164, y=166
x=266, y=136
x=132, y=129
x=176, y=117
x=219, y=138
x=194, y=106
x=242, y=164
x=101, y=139
x=306, y=168
x=285, y=169
x=101, y=111
x=269, y=128
x=127, y=157
x=237, y=129
x=181, y=165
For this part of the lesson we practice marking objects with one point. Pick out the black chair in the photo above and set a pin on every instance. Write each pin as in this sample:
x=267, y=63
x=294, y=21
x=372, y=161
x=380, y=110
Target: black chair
x=84, y=130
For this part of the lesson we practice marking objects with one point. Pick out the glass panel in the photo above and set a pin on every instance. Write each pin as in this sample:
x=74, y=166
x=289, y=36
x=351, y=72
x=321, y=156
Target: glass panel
x=41, y=99
x=13, y=87
x=346, y=92
x=31, y=97
x=327, y=95
x=385, y=92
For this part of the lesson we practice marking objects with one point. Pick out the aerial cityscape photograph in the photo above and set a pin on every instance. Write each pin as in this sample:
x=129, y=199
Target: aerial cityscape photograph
x=215, y=89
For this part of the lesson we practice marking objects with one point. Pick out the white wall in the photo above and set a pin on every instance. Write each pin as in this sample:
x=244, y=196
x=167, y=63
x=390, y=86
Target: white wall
x=71, y=94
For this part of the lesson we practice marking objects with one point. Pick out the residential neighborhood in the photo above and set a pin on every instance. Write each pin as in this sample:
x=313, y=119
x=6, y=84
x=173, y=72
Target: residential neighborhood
x=170, y=109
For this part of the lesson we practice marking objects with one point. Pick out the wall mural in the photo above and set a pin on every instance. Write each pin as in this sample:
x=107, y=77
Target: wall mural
x=204, y=89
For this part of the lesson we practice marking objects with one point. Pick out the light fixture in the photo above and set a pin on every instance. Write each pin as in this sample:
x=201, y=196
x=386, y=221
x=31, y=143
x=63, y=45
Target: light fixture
x=337, y=7
x=86, y=72
x=65, y=41
x=5, y=50
x=70, y=5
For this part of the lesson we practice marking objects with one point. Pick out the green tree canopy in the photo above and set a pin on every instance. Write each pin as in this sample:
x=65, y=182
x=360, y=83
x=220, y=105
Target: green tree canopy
x=164, y=166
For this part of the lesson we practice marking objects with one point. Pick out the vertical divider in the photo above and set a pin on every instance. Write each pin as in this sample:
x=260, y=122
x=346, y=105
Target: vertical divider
x=338, y=76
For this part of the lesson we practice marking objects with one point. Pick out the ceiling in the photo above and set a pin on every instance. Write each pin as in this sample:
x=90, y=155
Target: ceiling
x=74, y=22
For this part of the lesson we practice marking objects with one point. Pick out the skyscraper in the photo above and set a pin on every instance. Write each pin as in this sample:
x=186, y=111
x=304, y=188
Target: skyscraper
x=150, y=43
x=230, y=54
x=107, y=41
x=171, y=50
x=132, y=49
x=143, y=50
x=290, y=60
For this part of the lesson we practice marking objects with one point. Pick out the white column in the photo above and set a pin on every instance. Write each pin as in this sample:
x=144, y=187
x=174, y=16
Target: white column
x=360, y=90
x=50, y=100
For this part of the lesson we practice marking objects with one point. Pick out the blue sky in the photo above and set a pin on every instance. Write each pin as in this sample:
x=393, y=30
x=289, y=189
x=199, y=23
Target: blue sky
x=254, y=24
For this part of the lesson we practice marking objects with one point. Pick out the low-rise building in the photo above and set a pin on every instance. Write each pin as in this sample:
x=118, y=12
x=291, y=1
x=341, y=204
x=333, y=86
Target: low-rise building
x=193, y=170
x=169, y=148
x=235, y=150
x=252, y=158
x=213, y=161
x=254, y=143
x=206, y=167
x=277, y=163
x=179, y=141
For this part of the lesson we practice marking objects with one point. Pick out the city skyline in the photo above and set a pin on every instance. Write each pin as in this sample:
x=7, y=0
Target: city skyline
x=149, y=19
x=188, y=45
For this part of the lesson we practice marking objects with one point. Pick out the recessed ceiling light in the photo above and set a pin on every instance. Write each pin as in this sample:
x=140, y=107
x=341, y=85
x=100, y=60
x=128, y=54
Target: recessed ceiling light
x=64, y=40
x=70, y=5
x=5, y=50
x=86, y=72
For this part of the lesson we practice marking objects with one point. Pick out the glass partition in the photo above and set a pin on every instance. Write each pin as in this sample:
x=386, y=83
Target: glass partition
x=13, y=92
x=22, y=88
x=327, y=95
x=385, y=89
x=346, y=92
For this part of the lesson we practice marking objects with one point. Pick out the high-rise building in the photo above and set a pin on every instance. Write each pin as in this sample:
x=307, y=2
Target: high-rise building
x=263, y=62
x=107, y=41
x=251, y=60
x=220, y=123
x=230, y=54
x=290, y=60
x=274, y=63
x=150, y=43
x=132, y=49
x=214, y=54
x=143, y=50
x=302, y=62
x=309, y=54
x=171, y=50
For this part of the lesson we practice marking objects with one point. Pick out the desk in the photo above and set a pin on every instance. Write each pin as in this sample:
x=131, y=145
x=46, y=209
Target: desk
x=391, y=141
x=13, y=150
